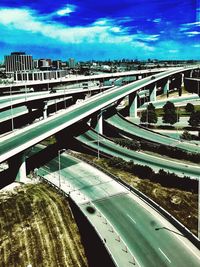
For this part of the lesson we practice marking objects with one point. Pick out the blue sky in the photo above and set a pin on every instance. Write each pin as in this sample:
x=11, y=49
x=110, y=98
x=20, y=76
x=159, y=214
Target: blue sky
x=100, y=30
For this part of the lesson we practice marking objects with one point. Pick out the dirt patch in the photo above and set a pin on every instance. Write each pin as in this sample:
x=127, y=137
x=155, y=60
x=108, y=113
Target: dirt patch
x=38, y=229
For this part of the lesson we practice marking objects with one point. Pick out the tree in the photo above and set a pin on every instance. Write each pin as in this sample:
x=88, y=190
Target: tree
x=194, y=119
x=149, y=115
x=186, y=135
x=170, y=115
x=189, y=107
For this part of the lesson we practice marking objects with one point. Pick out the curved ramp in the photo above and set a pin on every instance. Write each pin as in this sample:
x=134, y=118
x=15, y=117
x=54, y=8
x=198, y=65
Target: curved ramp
x=132, y=130
x=95, y=142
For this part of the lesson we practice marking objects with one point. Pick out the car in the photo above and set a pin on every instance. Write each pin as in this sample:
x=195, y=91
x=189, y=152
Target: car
x=153, y=77
x=52, y=91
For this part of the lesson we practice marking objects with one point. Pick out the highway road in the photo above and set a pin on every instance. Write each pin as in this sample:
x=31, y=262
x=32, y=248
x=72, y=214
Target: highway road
x=132, y=130
x=178, y=101
x=132, y=220
x=23, y=99
x=97, y=142
x=31, y=135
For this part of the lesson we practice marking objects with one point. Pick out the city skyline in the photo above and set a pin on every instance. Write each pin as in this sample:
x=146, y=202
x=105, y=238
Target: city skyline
x=102, y=30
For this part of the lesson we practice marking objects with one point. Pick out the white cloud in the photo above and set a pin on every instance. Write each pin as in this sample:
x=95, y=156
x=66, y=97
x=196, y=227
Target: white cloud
x=191, y=24
x=158, y=20
x=147, y=37
x=27, y=20
x=66, y=10
x=192, y=33
x=173, y=51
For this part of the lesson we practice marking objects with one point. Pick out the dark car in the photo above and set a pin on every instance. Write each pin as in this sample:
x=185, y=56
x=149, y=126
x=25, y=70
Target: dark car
x=153, y=77
x=52, y=91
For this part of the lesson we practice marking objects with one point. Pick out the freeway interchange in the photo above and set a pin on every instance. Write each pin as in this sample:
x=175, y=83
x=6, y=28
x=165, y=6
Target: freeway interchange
x=157, y=244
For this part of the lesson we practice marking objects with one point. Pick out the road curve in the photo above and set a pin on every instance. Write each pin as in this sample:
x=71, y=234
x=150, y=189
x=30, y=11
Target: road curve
x=132, y=130
x=95, y=142
x=149, y=237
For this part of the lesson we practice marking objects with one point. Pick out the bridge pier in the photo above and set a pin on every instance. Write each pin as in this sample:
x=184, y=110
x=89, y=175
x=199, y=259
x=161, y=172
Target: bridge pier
x=99, y=126
x=182, y=79
x=44, y=109
x=17, y=166
x=133, y=105
x=152, y=93
x=166, y=87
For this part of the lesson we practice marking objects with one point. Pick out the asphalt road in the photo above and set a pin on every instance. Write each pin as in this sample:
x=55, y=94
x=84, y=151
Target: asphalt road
x=136, y=224
x=178, y=101
x=134, y=220
x=129, y=129
x=91, y=139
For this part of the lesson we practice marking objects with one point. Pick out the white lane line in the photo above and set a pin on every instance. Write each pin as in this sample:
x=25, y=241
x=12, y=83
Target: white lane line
x=131, y=218
x=164, y=255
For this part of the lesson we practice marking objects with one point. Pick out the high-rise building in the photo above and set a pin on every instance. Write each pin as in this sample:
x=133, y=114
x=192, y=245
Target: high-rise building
x=56, y=64
x=18, y=61
x=72, y=63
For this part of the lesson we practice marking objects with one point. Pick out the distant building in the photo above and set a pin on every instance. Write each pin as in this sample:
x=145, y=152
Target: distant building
x=72, y=63
x=18, y=61
x=44, y=63
x=57, y=64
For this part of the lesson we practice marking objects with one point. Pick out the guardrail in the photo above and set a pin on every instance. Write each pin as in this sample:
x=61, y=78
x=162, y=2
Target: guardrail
x=62, y=192
x=184, y=230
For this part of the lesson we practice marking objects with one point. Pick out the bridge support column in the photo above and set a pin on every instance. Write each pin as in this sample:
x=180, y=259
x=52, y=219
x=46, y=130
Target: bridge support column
x=152, y=93
x=166, y=87
x=17, y=166
x=99, y=126
x=182, y=79
x=133, y=105
x=45, y=110
x=16, y=77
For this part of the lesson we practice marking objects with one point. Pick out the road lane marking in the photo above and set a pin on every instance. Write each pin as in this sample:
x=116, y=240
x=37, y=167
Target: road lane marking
x=164, y=255
x=131, y=218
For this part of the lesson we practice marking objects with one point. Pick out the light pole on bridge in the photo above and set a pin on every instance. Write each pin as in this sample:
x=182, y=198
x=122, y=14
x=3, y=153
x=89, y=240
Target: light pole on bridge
x=59, y=166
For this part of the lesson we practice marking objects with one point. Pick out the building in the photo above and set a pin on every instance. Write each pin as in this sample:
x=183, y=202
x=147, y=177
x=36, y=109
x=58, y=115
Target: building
x=72, y=63
x=44, y=63
x=18, y=61
x=57, y=64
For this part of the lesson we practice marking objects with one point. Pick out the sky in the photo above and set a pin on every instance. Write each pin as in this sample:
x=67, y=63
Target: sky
x=101, y=30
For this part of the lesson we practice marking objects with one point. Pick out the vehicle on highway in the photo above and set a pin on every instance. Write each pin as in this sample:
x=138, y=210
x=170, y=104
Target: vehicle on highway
x=52, y=91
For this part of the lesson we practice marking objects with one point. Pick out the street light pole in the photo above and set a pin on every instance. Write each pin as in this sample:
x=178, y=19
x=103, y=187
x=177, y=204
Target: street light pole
x=198, y=233
x=11, y=106
x=23, y=65
x=59, y=167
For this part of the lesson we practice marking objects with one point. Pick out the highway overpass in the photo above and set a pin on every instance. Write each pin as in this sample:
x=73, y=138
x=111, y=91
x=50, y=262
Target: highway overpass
x=21, y=140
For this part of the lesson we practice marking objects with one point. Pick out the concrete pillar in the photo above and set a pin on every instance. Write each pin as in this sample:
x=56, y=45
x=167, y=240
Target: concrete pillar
x=17, y=166
x=99, y=127
x=56, y=74
x=27, y=77
x=166, y=87
x=16, y=77
x=191, y=73
x=45, y=110
x=133, y=105
x=152, y=93
x=182, y=79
